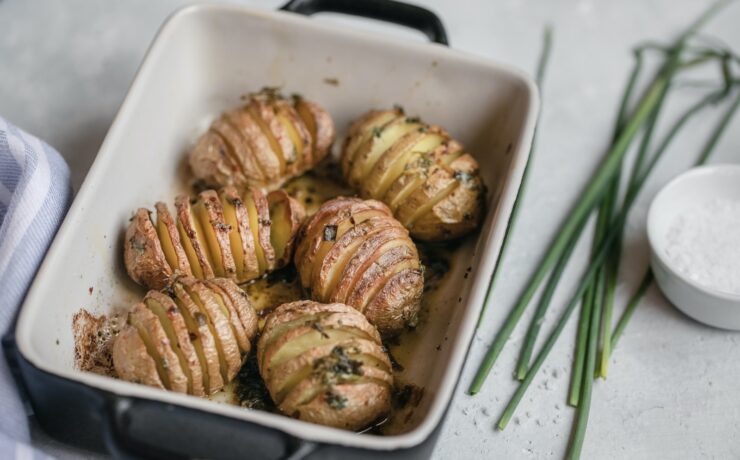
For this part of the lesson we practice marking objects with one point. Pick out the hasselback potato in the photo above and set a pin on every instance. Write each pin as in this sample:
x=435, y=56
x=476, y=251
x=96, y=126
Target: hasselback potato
x=264, y=143
x=224, y=234
x=324, y=363
x=354, y=252
x=191, y=339
x=430, y=183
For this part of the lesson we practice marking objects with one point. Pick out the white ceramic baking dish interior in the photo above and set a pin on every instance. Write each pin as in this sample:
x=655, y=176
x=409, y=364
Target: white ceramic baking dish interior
x=202, y=60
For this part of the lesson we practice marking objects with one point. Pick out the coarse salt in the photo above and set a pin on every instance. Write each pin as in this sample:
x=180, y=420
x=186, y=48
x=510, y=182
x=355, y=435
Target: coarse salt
x=704, y=245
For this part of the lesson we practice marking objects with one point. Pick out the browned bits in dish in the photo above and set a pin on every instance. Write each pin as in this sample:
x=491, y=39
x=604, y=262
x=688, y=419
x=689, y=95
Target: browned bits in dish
x=324, y=363
x=354, y=252
x=426, y=178
x=264, y=143
x=193, y=339
x=226, y=234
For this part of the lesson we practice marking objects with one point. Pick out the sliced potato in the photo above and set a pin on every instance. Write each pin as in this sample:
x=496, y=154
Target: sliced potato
x=179, y=335
x=191, y=339
x=349, y=250
x=202, y=337
x=215, y=159
x=159, y=347
x=368, y=153
x=263, y=144
x=195, y=247
x=286, y=216
x=132, y=361
x=217, y=316
x=217, y=232
x=415, y=168
x=241, y=307
x=215, y=235
x=241, y=236
x=324, y=363
x=169, y=238
x=143, y=257
x=320, y=126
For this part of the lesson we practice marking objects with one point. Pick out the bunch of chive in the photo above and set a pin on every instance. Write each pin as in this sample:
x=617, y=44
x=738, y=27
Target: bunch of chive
x=596, y=291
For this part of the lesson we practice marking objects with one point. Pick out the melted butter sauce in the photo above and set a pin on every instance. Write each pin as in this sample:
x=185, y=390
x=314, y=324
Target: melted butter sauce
x=247, y=390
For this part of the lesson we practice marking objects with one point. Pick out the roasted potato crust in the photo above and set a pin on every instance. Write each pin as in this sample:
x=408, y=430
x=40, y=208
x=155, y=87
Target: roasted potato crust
x=225, y=234
x=268, y=141
x=350, y=250
x=324, y=363
x=192, y=338
x=432, y=186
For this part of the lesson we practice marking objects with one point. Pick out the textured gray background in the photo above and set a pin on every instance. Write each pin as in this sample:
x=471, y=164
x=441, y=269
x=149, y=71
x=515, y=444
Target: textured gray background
x=672, y=391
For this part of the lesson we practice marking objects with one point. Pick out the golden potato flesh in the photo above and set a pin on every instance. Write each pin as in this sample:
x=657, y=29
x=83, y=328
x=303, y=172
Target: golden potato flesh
x=226, y=234
x=431, y=185
x=192, y=338
x=353, y=251
x=324, y=363
x=264, y=143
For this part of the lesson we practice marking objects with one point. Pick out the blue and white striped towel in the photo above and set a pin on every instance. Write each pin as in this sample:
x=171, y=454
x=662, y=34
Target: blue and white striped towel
x=34, y=196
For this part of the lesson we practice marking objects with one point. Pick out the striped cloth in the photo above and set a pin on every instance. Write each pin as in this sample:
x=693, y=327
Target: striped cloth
x=34, y=196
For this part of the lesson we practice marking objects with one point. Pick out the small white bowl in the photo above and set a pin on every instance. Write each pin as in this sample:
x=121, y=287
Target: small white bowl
x=699, y=185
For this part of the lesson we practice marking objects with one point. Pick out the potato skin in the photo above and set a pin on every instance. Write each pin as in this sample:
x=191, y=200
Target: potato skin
x=142, y=252
x=344, y=381
x=239, y=148
x=148, y=266
x=229, y=340
x=350, y=251
x=436, y=192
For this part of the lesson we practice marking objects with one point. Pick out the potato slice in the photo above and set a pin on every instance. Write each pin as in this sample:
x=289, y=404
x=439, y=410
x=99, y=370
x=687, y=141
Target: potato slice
x=382, y=269
x=169, y=238
x=286, y=376
x=286, y=216
x=320, y=125
x=195, y=247
x=241, y=306
x=332, y=220
x=396, y=305
x=159, y=347
x=201, y=337
x=363, y=257
x=237, y=328
x=362, y=131
x=240, y=236
x=327, y=270
x=213, y=160
x=177, y=332
x=262, y=145
x=217, y=231
x=314, y=357
x=367, y=155
x=392, y=164
x=143, y=257
x=229, y=125
x=299, y=134
x=259, y=222
x=131, y=359
x=263, y=109
x=332, y=328
x=217, y=315
x=350, y=406
x=455, y=213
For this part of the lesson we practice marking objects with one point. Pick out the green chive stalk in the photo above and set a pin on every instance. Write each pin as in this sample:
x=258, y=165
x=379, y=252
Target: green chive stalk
x=593, y=193
x=539, y=78
x=614, y=231
x=539, y=316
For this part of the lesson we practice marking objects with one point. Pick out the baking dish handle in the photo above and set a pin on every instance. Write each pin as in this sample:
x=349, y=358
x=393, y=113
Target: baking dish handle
x=258, y=442
x=404, y=14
